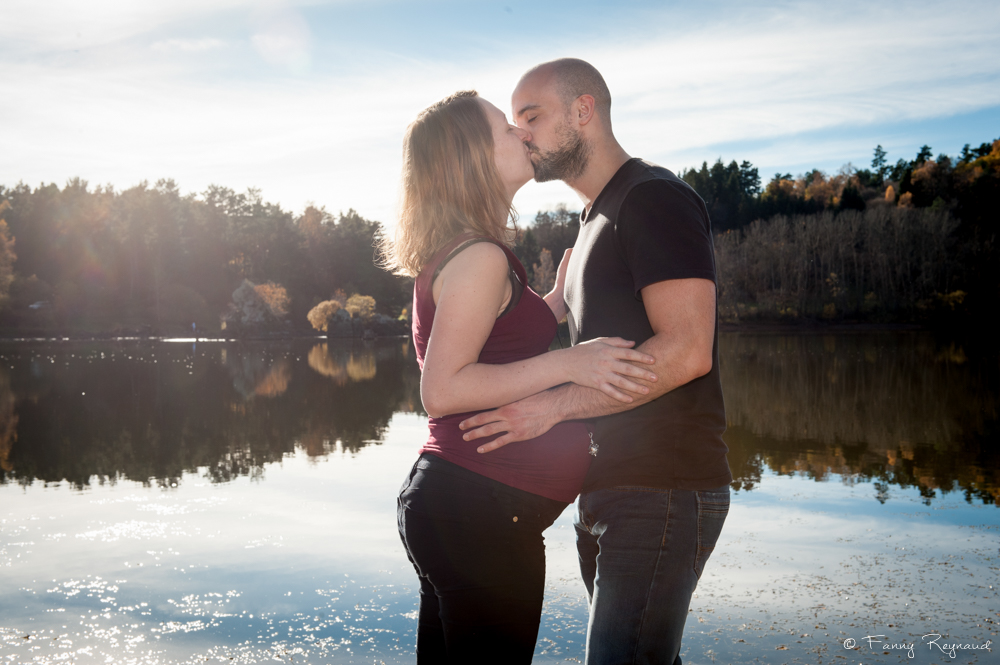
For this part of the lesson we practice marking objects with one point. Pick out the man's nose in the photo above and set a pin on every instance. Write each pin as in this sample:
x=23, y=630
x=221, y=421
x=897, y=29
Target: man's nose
x=523, y=134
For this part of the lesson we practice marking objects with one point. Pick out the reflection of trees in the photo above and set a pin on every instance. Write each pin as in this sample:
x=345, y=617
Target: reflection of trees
x=900, y=409
x=151, y=413
x=343, y=364
x=8, y=421
x=411, y=383
x=321, y=361
x=256, y=373
x=276, y=381
x=369, y=384
x=361, y=368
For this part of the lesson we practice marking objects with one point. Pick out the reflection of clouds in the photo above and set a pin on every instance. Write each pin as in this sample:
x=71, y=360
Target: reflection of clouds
x=785, y=558
x=169, y=627
x=356, y=366
x=8, y=421
x=185, y=508
x=131, y=529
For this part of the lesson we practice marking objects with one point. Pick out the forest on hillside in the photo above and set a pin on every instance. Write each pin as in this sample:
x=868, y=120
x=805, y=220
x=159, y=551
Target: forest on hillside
x=911, y=242
x=85, y=259
x=914, y=241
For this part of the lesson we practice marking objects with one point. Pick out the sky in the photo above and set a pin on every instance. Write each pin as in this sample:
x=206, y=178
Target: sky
x=308, y=100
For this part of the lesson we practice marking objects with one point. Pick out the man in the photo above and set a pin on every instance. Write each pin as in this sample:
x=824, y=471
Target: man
x=642, y=268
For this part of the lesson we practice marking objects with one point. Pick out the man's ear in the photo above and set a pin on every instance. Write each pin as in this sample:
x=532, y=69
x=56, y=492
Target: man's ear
x=583, y=109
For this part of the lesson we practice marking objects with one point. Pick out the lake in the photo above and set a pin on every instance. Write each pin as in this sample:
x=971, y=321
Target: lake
x=183, y=502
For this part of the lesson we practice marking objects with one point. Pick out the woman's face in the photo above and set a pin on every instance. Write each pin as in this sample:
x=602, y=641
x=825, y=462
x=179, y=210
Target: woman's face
x=510, y=149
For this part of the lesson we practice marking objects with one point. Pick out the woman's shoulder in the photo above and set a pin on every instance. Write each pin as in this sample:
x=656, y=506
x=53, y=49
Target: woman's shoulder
x=483, y=256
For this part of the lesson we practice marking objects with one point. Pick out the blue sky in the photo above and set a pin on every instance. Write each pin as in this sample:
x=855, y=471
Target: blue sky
x=308, y=100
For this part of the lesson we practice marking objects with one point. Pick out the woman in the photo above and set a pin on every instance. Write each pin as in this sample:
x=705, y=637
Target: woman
x=472, y=524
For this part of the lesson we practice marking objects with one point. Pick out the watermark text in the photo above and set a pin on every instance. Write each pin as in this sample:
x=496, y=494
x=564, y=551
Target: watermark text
x=933, y=641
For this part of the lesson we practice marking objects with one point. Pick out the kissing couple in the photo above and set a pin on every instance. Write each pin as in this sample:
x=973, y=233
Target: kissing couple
x=629, y=419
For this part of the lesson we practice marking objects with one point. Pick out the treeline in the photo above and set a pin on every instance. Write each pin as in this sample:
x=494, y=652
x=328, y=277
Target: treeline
x=916, y=241
x=99, y=259
x=912, y=242
x=965, y=184
x=899, y=242
x=884, y=264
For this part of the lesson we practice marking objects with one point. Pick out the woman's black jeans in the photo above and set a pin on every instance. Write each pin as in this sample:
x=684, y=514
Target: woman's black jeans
x=478, y=550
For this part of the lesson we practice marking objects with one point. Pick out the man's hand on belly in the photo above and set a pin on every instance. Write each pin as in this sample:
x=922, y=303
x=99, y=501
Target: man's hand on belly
x=521, y=420
x=682, y=315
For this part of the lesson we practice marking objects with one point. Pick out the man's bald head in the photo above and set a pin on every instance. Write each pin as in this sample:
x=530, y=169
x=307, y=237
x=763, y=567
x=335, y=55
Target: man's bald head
x=572, y=77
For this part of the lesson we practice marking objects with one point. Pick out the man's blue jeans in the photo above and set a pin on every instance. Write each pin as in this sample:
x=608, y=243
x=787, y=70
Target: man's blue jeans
x=642, y=551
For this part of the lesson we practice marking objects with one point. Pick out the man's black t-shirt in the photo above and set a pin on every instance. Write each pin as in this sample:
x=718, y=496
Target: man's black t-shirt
x=646, y=226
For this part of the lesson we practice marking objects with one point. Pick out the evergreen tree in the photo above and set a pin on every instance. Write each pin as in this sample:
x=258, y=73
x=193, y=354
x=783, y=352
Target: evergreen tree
x=879, y=163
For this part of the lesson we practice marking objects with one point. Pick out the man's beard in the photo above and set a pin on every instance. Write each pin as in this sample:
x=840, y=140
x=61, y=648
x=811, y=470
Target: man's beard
x=566, y=162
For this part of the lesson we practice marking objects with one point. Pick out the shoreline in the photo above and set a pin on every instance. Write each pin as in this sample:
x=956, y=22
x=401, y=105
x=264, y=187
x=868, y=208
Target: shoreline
x=110, y=337
x=818, y=328
x=754, y=327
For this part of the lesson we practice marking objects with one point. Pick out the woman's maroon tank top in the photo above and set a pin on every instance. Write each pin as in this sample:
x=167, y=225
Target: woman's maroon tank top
x=552, y=465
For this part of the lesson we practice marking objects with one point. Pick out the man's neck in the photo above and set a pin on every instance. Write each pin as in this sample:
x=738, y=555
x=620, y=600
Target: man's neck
x=603, y=165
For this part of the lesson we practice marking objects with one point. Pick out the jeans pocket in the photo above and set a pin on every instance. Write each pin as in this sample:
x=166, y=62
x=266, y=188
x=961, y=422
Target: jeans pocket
x=713, y=507
x=409, y=478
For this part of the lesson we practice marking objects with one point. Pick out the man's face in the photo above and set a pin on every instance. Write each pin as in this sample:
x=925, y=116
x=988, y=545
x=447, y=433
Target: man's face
x=559, y=151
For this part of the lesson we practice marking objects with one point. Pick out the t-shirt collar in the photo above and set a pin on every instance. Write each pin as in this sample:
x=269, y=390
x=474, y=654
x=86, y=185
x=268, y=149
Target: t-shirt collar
x=585, y=214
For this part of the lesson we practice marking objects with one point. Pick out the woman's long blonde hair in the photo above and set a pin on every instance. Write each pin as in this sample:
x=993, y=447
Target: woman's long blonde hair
x=450, y=184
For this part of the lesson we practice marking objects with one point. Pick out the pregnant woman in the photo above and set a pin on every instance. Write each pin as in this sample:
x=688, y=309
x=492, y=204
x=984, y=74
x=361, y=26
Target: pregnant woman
x=472, y=523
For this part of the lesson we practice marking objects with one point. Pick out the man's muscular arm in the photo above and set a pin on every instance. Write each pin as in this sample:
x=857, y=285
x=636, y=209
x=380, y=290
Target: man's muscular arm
x=682, y=315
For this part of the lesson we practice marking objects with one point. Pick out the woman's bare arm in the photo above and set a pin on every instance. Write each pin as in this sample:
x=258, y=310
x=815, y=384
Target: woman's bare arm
x=470, y=292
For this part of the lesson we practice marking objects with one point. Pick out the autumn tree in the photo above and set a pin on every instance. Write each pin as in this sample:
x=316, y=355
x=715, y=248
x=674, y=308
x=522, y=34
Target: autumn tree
x=553, y=230
x=256, y=306
x=275, y=297
x=360, y=307
x=320, y=315
x=545, y=273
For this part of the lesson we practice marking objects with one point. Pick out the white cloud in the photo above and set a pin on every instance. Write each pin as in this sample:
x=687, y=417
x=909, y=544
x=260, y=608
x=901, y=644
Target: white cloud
x=39, y=25
x=335, y=140
x=813, y=71
x=188, y=45
x=283, y=38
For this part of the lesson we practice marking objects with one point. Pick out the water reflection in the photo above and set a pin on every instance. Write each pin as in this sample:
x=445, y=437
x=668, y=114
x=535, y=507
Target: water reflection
x=8, y=421
x=903, y=410
x=307, y=564
x=900, y=409
x=254, y=375
x=102, y=412
x=343, y=365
